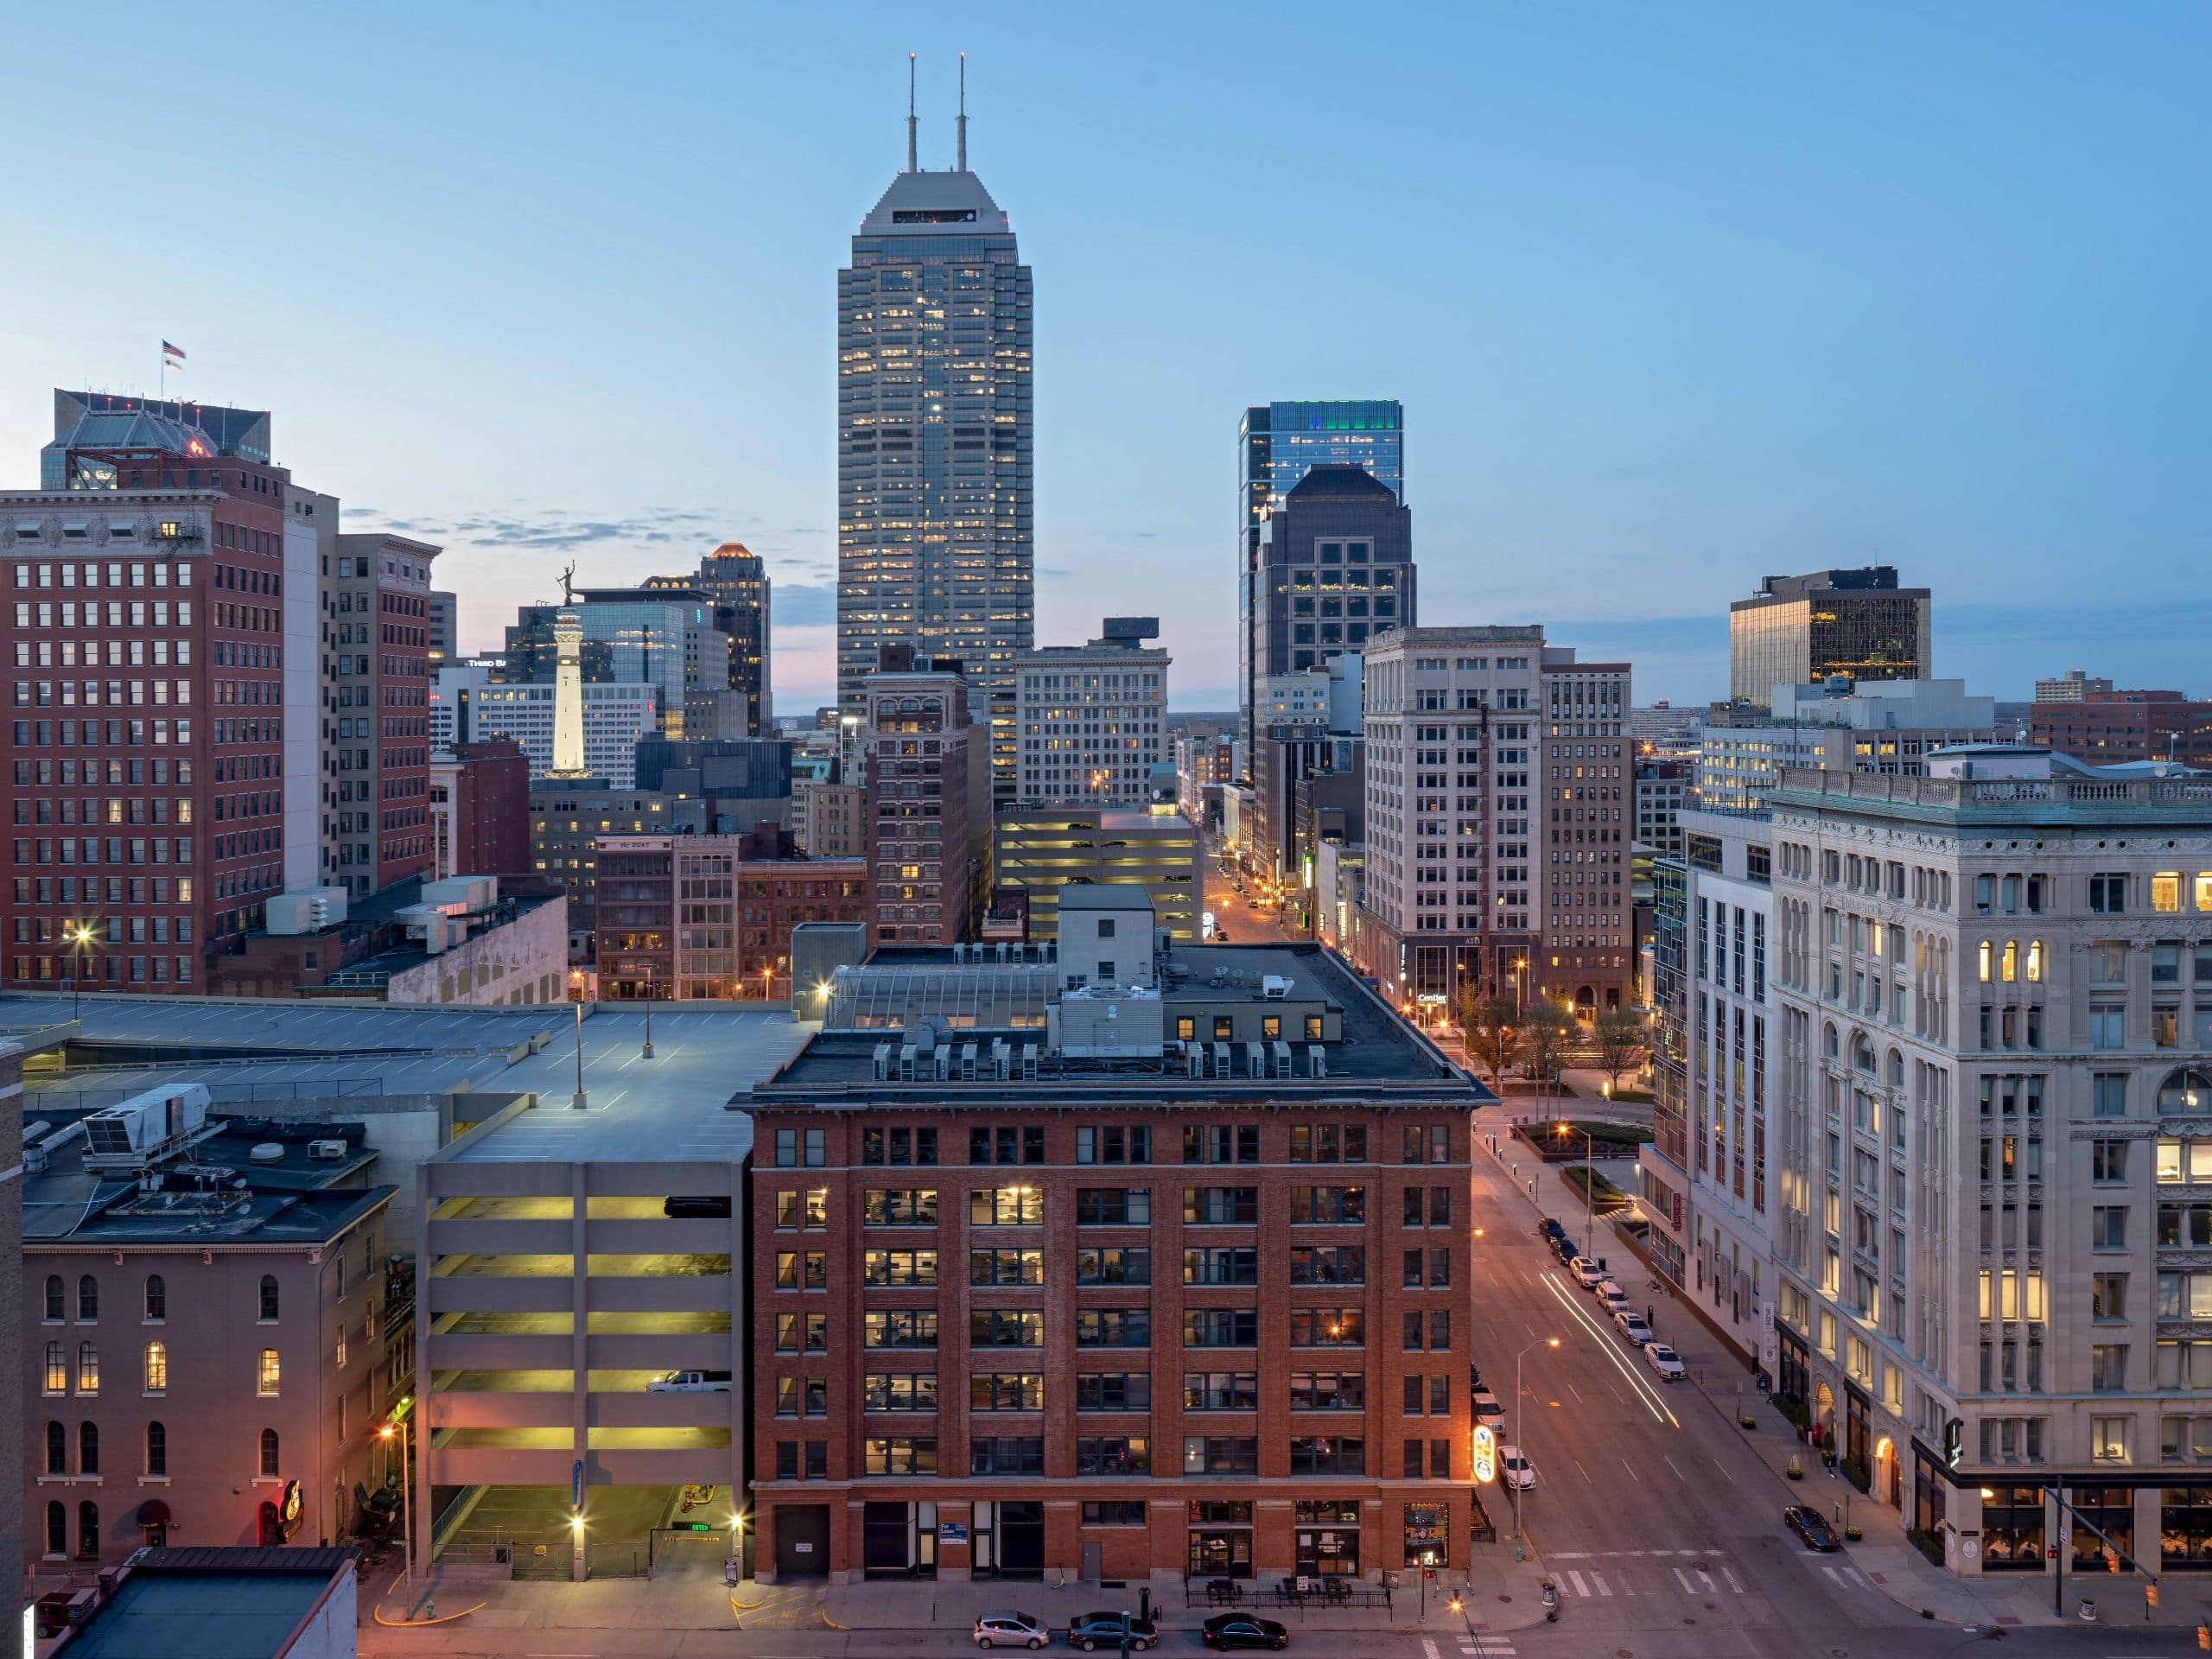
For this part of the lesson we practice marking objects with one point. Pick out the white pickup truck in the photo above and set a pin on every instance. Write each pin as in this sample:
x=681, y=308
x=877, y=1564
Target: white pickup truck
x=690, y=1383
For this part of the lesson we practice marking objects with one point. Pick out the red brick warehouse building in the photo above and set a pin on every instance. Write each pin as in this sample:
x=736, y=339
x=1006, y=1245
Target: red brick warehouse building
x=1109, y=1264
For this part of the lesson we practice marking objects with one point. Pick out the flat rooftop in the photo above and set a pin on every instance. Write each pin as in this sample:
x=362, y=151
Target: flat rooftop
x=211, y=1603
x=260, y=1051
x=1378, y=1057
x=191, y=1218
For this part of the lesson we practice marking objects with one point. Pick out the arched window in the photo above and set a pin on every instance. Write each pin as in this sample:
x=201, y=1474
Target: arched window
x=157, y=1449
x=269, y=1453
x=157, y=1298
x=57, y=1449
x=1862, y=1055
x=57, y=1529
x=88, y=1298
x=57, y=1368
x=56, y=1300
x=270, y=1372
x=88, y=1368
x=88, y=1448
x=268, y=1296
x=157, y=1367
x=2184, y=1091
x=88, y=1531
x=1897, y=1069
x=1827, y=1041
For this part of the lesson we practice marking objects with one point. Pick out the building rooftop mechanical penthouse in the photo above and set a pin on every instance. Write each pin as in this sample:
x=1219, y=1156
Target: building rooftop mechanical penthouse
x=1121, y=1258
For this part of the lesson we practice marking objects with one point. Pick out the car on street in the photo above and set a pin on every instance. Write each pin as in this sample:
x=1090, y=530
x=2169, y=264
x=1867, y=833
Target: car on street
x=1566, y=1248
x=1244, y=1630
x=1632, y=1326
x=1812, y=1526
x=1665, y=1361
x=1091, y=1631
x=1487, y=1410
x=1611, y=1297
x=1588, y=1271
x=1006, y=1628
x=1514, y=1469
x=1548, y=1228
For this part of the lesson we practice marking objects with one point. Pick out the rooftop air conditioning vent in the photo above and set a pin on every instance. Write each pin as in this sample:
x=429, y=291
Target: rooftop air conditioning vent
x=271, y=1152
x=326, y=1151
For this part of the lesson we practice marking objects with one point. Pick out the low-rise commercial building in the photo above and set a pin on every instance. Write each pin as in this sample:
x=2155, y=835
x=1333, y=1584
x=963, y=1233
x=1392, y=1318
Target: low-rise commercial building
x=1885, y=726
x=2101, y=727
x=480, y=810
x=204, y=1361
x=1206, y=1316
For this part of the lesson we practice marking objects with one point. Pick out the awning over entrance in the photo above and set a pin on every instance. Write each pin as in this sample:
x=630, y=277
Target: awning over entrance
x=152, y=1513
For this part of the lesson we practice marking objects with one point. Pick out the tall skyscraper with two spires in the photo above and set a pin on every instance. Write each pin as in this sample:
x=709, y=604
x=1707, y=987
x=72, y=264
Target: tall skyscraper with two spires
x=936, y=441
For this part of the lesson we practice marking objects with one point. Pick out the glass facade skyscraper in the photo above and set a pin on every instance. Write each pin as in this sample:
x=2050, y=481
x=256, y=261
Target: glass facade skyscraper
x=1277, y=444
x=1801, y=630
x=936, y=444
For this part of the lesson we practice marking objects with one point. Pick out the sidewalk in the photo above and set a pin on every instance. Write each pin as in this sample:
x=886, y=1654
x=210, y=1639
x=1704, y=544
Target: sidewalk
x=1888, y=1558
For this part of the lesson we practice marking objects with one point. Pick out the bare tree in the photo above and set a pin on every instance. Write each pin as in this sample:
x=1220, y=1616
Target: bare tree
x=1490, y=1028
x=1620, y=1044
x=1550, y=1027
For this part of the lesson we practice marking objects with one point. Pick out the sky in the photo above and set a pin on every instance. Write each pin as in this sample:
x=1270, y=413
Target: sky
x=1674, y=296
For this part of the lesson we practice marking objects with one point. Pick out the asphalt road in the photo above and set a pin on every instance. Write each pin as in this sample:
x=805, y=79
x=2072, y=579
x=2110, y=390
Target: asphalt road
x=1234, y=911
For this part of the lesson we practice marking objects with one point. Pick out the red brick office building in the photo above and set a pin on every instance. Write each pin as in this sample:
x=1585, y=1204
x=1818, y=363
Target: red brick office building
x=1173, y=1302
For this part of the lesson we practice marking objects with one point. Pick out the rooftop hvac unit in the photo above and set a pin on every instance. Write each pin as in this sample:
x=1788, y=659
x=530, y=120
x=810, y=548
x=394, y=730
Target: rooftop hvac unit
x=1220, y=1060
x=1274, y=988
x=1256, y=1064
x=1194, y=1059
x=325, y=1150
x=1029, y=1062
x=968, y=1063
x=944, y=1062
x=147, y=1128
x=905, y=1062
x=268, y=1151
x=1282, y=1058
x=883, y=1062
x=1317, y=1060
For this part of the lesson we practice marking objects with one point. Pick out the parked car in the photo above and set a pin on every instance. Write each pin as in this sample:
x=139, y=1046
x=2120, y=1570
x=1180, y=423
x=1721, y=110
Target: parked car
x=1244, y=1630
x=1566, y=1248
x=1487, y=1409
x=1549, y=1229
x=1514, y=1468
x=1006, y=1628
x=1588, y=1271
x=1812, y=1526
x=1632, y=1326
x=1610, y=1296
x=683, y=1207
x=1091, y=1631
x=1665, y=1361
x=689, y=1382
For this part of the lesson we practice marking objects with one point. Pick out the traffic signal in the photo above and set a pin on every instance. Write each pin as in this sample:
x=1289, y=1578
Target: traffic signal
x=2150, y=1596
x=2111, y=1561
x=2204, y=1637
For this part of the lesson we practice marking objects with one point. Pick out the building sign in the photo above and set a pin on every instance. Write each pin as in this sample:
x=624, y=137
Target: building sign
x=952, y=1532
x=1486, y=1454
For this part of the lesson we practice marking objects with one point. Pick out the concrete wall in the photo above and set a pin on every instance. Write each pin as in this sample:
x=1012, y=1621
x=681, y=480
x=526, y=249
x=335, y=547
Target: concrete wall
x=523, y=961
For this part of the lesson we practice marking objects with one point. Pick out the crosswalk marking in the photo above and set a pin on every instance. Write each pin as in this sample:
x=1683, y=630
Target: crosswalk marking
x=1848, y=1576
x=1683, y=1579
x=1728, y=1573
x=1599, y=1579
x=1580, y=1588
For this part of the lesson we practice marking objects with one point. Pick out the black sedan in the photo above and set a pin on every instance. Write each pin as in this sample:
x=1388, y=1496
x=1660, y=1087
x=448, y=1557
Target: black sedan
x=1244, y=1630
x=1565, y=1247
x=1091, y=1631
x=1548, y=1228
x=1812, y=1526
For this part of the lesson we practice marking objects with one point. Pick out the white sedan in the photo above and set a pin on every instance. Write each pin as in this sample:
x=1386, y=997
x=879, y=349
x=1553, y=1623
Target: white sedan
x=1665, y=1361
x=1514, y=1468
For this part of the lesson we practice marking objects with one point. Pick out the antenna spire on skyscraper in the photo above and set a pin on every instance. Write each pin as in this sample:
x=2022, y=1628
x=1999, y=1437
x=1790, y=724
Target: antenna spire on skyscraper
x=962, y=166
x=914, y=164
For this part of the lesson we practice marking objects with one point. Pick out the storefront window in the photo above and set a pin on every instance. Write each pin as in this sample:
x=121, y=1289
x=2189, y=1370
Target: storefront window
x=2012, y=1529
x=1328, y=1538
x=2185, y=1527
x=1428, y=1530
x=1221, y=1539
x=1929, y=1491
x=2111, y=1510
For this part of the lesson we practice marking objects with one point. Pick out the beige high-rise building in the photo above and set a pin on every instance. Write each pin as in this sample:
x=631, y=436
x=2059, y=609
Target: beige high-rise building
x=1993, y=996
x=1092, y=720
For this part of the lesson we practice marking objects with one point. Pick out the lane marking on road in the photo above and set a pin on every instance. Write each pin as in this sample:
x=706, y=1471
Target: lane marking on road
x=1572, y=1554
x=1599, y=1579
x=1632, y=1475
x=1679, y=1475
x=1733, y=1584
x=1660, y=1410
x=1576, y=1392
x=1577, y=1464
x=1723, y=1468
x=1708, y=1578
x=1683, y=1579
x=1429, y=1648
x=1580, y=1588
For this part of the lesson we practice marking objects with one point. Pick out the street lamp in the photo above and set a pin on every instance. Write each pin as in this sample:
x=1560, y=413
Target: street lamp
x=406, y=1490
x=647, y=1053
x=1514, y=1475
x=577, y=999
x=1589, y=1182
x=80, y=939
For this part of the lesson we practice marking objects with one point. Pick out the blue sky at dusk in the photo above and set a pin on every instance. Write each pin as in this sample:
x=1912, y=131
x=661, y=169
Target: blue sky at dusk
x=1674, y=296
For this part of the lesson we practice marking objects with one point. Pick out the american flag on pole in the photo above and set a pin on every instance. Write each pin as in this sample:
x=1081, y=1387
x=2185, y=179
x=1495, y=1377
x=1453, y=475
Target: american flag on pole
x=172, y=354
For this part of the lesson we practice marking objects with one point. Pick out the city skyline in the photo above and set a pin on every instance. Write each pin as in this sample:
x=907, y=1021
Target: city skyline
x=1858, y=332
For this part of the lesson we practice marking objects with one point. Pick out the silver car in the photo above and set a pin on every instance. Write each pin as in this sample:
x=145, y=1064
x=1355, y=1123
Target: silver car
x=1005, y=1628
